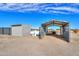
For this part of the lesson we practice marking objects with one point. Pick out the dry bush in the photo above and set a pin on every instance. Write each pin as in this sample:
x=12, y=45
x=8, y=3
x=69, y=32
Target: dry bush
x=75, y=31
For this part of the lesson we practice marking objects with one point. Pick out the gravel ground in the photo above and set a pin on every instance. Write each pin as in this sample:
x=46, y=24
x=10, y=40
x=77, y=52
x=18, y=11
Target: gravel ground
x=33, y=46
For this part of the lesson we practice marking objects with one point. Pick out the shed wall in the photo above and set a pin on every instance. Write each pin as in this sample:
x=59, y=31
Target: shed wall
x=22, y=30
x=17, y=30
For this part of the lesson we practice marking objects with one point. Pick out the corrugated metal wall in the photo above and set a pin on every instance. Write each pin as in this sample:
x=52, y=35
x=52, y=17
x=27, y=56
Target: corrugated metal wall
x=5, y=31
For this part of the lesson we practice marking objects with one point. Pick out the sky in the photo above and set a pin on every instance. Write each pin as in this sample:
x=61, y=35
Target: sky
x=37, y=13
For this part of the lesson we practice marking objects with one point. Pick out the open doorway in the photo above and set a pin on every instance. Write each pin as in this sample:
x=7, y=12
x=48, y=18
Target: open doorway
x=53, y=30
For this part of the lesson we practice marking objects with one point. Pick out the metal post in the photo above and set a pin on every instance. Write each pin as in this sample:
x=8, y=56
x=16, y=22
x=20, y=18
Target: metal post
x=61, y=30
x=45, y=30
x=66, y=33
x=41, y=32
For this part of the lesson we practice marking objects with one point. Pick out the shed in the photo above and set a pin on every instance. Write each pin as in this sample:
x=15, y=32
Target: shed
x=21, y=30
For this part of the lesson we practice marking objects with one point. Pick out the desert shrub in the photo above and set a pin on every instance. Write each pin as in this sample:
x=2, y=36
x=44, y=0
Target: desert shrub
x=75, y=31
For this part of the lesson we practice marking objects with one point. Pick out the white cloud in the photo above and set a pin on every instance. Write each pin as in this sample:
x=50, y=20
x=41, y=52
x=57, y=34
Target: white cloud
x=14, y=6
x=59, y=12
x=43, y=8
x=65, y=9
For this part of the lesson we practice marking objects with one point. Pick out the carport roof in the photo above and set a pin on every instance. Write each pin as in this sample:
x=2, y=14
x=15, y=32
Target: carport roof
x=55, y=22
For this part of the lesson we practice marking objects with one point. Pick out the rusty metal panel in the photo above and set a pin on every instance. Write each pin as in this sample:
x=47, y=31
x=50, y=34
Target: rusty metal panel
x=66, y=33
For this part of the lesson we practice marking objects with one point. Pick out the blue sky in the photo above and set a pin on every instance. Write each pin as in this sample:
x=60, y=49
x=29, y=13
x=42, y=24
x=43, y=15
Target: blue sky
x=38, y=13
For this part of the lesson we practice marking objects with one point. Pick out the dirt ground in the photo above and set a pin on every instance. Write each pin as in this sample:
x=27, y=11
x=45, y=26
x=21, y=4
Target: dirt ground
x=33, y=46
